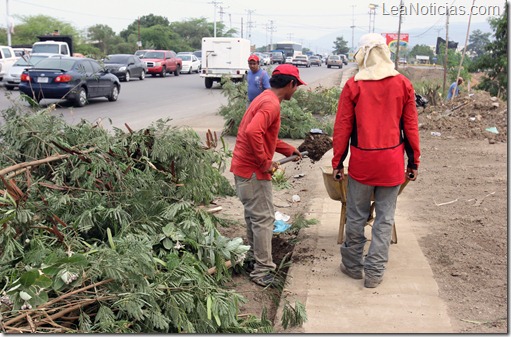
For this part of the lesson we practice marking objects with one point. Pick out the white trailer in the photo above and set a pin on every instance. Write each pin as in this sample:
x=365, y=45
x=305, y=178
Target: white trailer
x=224, y=57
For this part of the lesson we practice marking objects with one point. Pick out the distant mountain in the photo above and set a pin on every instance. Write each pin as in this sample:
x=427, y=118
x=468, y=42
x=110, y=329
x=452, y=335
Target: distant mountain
x=324, y=44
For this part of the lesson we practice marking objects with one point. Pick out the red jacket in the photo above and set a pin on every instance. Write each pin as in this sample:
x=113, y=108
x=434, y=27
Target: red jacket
x=257, y=139
x=377, y=121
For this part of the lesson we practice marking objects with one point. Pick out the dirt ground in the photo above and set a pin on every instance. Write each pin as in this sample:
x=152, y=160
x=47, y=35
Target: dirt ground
x=461, y=194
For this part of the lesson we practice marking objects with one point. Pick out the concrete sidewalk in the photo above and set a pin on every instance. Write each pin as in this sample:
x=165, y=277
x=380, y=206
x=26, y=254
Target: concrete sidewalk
x=407, y=301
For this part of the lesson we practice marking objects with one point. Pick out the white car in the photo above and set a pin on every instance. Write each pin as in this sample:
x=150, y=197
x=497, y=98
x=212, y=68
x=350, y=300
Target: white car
x=12, y=77
x=190, y=63
x=289, y=59
x=266, y=59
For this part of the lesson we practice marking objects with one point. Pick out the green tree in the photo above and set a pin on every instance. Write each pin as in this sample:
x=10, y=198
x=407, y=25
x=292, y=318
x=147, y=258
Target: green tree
x=477, y=42
x=192, y=31
x=494, y=61
x=158, y=37
x=421, y=49
x=102, y=36
x=33, y=26
x=341, y=46
x=144, y=22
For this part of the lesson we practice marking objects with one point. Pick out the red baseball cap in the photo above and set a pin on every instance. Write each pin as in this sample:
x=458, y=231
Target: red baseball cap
x=253, y=58
x=289, y=69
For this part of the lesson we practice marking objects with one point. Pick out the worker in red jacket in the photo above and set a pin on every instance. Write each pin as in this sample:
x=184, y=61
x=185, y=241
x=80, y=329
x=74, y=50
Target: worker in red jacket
x=377, y=122
x=253, y=165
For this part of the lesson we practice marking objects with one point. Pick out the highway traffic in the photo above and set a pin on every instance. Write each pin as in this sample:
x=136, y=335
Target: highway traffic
x=182, y=98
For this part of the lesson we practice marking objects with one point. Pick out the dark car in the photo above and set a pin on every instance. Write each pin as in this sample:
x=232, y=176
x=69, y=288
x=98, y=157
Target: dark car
x=71, y=78
x=125, y=66
x=277, y=57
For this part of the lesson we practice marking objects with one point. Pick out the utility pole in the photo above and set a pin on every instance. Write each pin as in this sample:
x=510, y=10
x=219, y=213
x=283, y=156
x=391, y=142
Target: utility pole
x=139, y=42
x=352, y=28
x=9, y=24
x=446, y=50
x=272, y=29
x=221, y=12
x=250, y=23
x=396, y=61
x=215, y=3
x=241, y=29
x=372, y=15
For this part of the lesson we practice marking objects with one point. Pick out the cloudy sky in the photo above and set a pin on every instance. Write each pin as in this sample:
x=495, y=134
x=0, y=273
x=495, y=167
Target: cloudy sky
x=307, y=22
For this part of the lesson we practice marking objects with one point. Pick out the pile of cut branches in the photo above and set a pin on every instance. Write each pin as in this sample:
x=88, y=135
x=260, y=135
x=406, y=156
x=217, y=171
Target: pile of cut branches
x=104, y=232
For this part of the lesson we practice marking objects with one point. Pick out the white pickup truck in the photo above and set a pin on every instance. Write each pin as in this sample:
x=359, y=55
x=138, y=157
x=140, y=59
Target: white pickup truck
x=7, y=59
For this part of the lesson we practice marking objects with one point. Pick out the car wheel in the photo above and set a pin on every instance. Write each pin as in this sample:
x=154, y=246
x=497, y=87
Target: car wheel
x=9, y=87
x=114, y=95
x=328, y=66
x=208, y=82
x=127, y=77
x=190, y=70
x=81, y=97
x=163, y=72
x=177, y=71
x=142, y=75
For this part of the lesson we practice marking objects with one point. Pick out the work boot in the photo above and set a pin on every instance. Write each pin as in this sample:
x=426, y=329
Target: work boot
x=372, y=282
x=356, y=274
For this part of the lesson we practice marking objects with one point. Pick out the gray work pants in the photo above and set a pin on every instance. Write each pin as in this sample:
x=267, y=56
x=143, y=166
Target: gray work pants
x=357, y=212
x=257, y=199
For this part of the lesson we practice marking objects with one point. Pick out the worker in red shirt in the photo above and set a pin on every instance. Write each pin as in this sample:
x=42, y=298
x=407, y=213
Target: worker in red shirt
x=253, y=165
x=377, y=122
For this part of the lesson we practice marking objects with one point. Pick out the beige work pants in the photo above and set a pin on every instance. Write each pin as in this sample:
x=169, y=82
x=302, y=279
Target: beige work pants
x=257, y=199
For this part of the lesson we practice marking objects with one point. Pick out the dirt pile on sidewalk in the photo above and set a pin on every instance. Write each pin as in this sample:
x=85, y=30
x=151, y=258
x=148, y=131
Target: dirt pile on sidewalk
x=475, y=116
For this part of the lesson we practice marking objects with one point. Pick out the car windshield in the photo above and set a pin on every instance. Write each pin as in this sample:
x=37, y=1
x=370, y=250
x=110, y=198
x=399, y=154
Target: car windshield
x=334, y=58
x=29, y=61
x=153, y=55
x=116, y=59
x=185, y=57
x=56, y=63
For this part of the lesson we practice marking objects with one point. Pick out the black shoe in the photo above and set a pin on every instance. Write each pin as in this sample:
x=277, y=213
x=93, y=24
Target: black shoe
x=265, y=280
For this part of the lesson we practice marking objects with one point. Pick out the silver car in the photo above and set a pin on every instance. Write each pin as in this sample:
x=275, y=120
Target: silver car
x=27, y=61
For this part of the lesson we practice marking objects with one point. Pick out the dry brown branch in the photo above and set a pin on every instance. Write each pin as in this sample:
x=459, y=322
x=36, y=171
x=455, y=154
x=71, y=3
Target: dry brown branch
x=22, y=167
x=58, y=299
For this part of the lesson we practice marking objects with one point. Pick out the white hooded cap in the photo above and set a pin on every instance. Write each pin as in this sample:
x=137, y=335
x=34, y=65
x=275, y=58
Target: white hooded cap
x=373, y=58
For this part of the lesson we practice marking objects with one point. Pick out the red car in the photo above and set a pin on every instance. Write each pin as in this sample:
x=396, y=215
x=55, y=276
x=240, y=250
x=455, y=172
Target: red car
x=162, y=62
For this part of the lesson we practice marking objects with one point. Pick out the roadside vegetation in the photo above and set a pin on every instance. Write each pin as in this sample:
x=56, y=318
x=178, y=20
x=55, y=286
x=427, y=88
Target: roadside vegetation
x=308, y=109
x=111, y=233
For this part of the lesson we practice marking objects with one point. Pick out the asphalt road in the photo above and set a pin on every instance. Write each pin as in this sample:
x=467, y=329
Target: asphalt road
x=182, y=98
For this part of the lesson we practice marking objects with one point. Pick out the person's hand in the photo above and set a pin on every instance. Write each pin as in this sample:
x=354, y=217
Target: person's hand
x=273, y=167
x=338, y=175
x=298, y=154
x=411, y=174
